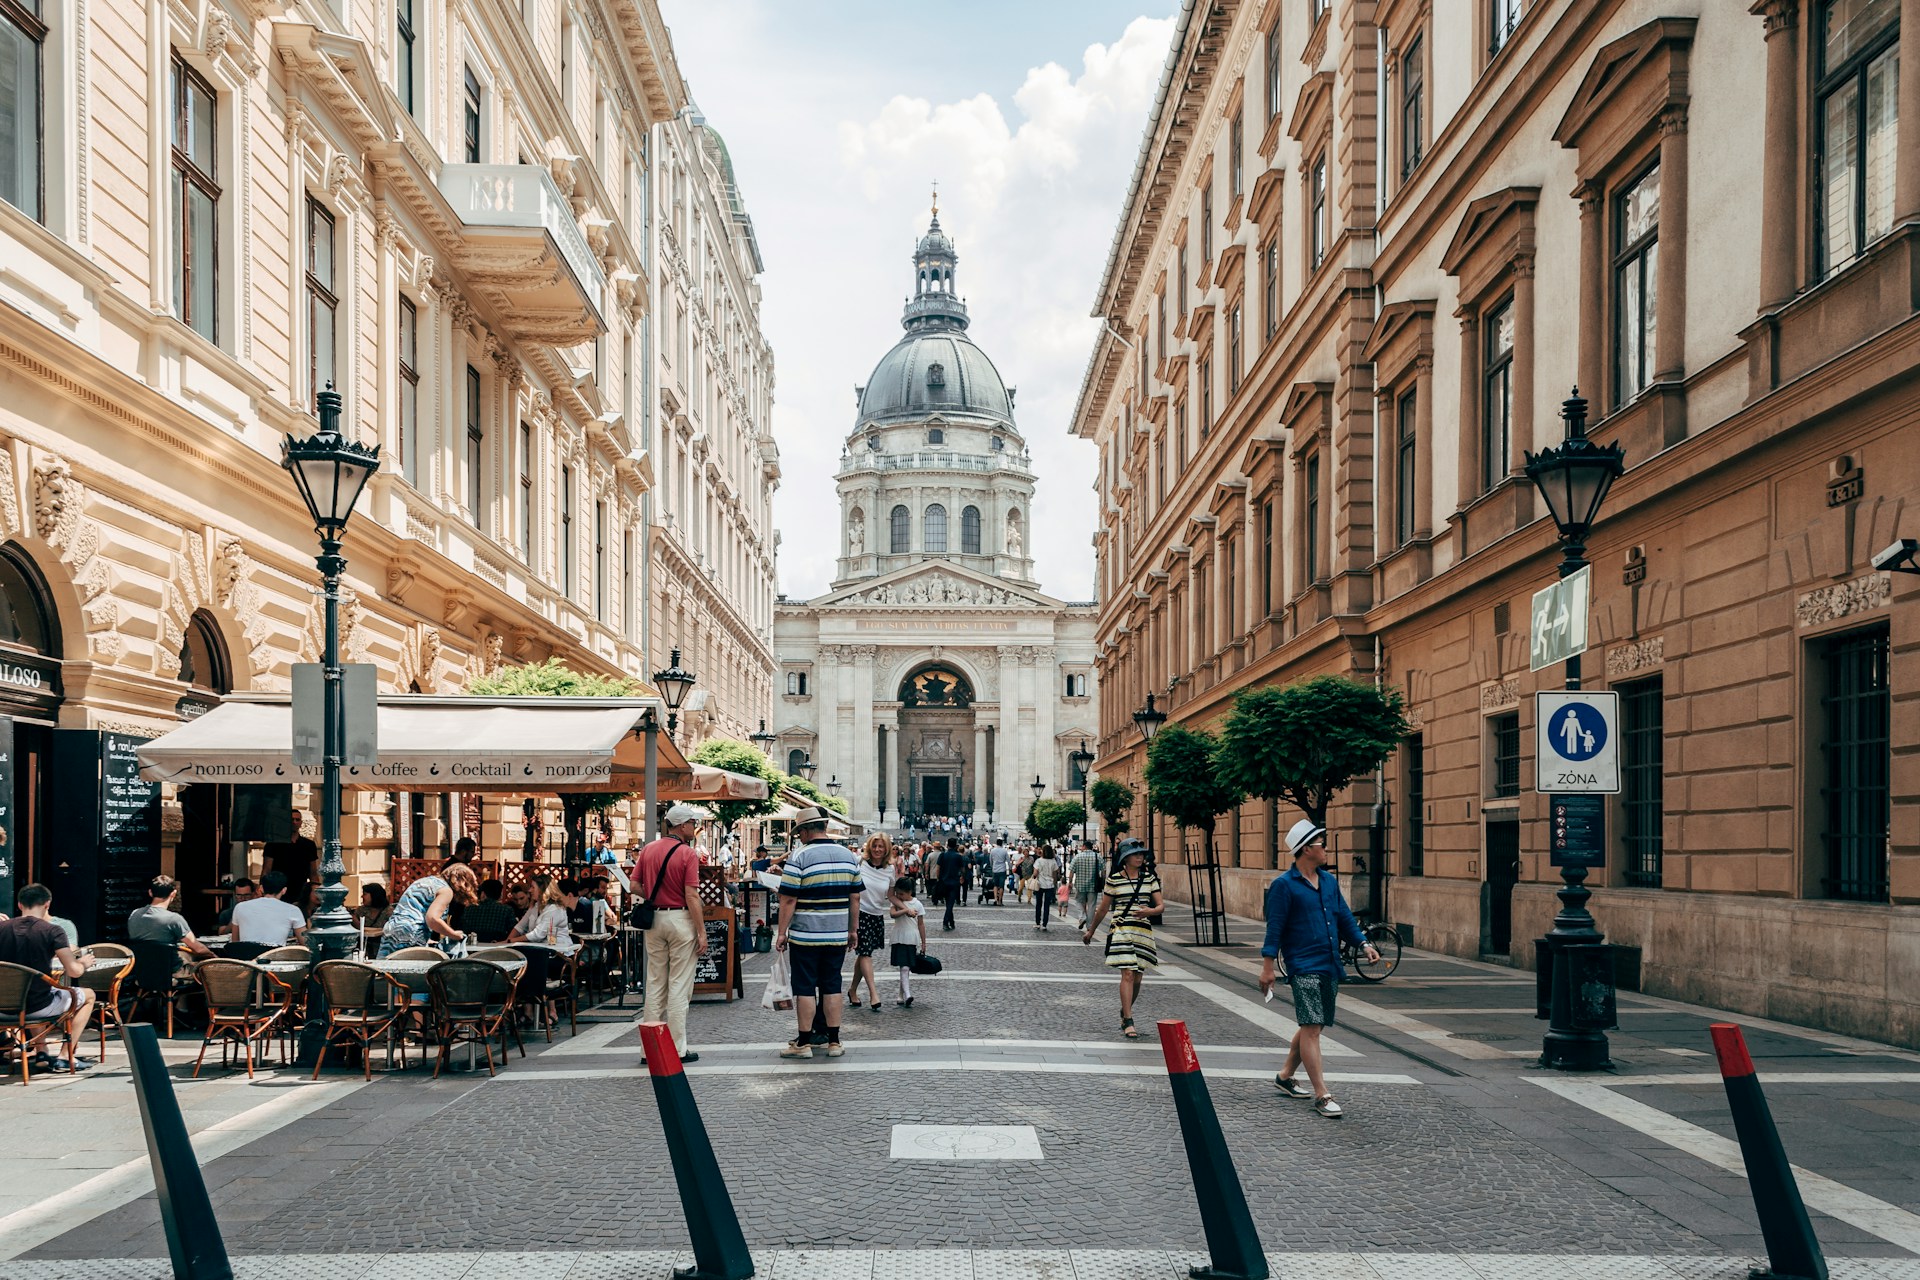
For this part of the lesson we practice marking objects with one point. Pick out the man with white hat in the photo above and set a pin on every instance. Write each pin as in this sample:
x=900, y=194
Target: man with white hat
x=667, y=874
x=1306, y=919
x=819, y=919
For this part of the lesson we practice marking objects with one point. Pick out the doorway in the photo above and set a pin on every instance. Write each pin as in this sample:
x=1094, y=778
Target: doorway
x=934, y=796
x=1503, y=872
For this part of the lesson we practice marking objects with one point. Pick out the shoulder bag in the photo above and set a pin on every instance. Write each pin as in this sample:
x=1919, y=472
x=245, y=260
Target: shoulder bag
x=641, y=915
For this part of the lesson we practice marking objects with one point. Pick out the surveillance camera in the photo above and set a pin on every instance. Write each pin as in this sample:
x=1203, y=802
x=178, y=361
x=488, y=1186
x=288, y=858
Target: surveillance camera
x=1902, y=557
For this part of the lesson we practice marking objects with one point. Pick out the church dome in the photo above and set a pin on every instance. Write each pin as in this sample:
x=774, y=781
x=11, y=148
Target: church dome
x=936, y=371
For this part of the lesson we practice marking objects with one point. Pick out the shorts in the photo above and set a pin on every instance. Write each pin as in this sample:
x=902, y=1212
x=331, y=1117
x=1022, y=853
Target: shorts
x=873, y=934
x=816, y=970
x=1313, y=998
x=62, y=1001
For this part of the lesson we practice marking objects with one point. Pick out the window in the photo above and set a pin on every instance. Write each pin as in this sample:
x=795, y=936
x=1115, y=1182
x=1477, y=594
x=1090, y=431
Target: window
x=1272, y=68
x=936, y=436
x=476, y=437
x=1076, y=688
x=526, y=494
x=1206, y=222
x=1160, y=325
x=1231, y=596
x=600, y=559
x=1505, y=731
x=568, y=579
x=1502, y=17
x=1204, y=376
x=470, y=118
x=403, y=53
x=1405, y=459
x=1496, y=409
x=1179, y=437
x=1159, y=472
x=1316, y=10
x=1642, y=768
x=1270, y=287
x=1180, y=282
x=627, y=599
x=970, y=531
x=1856, y=704
x=797, y=756
x=1317, y=214
x=196, y=203
x=408, y=342
x=1857, y=89
x=1233, y=349
x=1416, y=803
x=1237, y=154
x=900, y=533
x=1313, y=517
x=323, y=304
x=22, y=37
x=933, y=530
x=1413, y=93
x=1636, y=262
x=1266, y=557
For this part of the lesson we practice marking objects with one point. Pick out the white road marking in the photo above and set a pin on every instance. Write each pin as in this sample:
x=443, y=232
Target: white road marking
x=1146, y=1045
x=1774, y=1077
x=1438, y=1037
x=598, y=1039
x=1263, y=1016
x=1837, y=1200
x=776, y=1067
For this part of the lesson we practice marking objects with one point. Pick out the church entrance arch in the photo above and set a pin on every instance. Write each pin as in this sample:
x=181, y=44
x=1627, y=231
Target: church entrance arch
x=940, y=776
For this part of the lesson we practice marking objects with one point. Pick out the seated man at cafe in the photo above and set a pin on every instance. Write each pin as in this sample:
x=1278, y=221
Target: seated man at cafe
x=490, y=920
x=243, y=888
x=267, y=919
x=159, y=922
x=31, y=939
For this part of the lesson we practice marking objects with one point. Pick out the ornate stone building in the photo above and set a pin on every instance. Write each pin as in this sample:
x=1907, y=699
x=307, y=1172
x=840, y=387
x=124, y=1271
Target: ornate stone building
x=1367, y=252
x=934, y=677
x=212, y=210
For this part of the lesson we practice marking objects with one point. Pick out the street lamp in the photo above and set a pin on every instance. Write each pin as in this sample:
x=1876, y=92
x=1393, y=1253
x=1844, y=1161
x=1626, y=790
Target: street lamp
x=806, y=768
x=763, y=740
x=1574, y=479
x=833, y=785
x=1148, y=721
x=1081, y=760
x=330, y=470
x=674, y=685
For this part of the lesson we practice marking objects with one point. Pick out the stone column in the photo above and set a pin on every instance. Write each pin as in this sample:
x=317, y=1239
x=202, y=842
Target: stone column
x=858, y=785
x=1423, y=521
x=1906, y=191
x=1471, y=465
x=979, y=788
x=827, y=759
x=1593, y=287
x=893, y=762
x=1670, y=316
x=1526, y=355
x=1780, y=168
x=1048, y=687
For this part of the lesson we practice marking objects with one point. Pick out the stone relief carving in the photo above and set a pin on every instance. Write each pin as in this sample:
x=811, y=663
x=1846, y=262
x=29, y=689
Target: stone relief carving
x=1497, y=694
x=56, y=498
x=937, y=588
x=231, y=571
x=1824, y=604
x=1625, y=659
x=9, y=498
x=492, y=649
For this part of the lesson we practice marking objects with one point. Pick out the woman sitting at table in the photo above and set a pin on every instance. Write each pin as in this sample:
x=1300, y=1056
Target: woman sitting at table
x=375, y=909
x=420, y=917
x=545, y=923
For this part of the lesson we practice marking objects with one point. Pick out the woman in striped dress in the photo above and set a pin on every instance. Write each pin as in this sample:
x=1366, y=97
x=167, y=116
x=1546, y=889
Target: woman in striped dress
x=1133, y=896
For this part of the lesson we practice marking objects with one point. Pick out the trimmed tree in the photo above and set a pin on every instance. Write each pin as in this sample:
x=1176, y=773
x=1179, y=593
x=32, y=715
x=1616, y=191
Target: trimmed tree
x=1184, y=783
x=1054, y=819
x=1305, y=742
x=1113, y=800
x=740, y=757
x=555, y=679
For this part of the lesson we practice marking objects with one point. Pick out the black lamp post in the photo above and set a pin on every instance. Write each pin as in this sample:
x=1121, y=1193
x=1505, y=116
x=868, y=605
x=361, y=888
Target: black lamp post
x=330, y=470
x=833, y=785
x=807, y=767
x=1082, y=760
x=763, y=740
x=1038, y=788
x=674, y=685
x=1148, y=721
x=1574, y=479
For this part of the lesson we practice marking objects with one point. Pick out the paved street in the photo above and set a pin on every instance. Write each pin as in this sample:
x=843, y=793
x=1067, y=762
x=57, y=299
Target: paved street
x=1453, y=1143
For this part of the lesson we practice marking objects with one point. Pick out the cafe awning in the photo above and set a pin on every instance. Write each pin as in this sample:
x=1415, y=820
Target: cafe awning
x=710, y=783
x=435, y=742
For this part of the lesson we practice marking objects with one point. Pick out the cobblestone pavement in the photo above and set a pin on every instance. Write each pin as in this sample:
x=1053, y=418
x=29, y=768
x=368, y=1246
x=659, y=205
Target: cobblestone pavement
x=1453, y=1143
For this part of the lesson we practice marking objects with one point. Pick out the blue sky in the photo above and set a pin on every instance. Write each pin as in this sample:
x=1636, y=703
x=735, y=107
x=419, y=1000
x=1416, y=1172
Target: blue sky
x=838, y=117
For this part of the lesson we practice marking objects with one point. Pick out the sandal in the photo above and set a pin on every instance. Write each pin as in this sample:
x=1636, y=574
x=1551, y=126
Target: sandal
x=1127, y=1029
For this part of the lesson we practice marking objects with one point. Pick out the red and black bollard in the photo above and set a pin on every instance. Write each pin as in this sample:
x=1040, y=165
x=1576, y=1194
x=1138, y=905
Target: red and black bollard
x=1233, y=1246
x=1793, y=1252
x=719, y=1248
x=194, y=1242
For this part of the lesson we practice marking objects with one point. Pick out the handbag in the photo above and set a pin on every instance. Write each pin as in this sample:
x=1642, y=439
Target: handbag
x=640, y=916
x=925, y=964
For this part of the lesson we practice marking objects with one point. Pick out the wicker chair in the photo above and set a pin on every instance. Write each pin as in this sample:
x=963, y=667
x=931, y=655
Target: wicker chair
x=470, y=1000
x=21, y=991
x=294, y=952
x=243, y=1006
x=105, y=984
x=363, y=1004
x=417, y=953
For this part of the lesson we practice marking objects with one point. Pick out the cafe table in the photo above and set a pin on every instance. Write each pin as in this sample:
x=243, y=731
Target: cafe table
x=412, y=974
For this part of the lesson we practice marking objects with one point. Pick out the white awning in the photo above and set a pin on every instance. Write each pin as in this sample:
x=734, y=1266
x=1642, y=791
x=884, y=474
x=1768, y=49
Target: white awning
x=710, y=783
x=430, y=742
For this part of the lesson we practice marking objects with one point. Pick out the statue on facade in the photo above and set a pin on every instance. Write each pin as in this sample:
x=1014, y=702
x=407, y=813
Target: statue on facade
x=857, y=533
x=1015, y=547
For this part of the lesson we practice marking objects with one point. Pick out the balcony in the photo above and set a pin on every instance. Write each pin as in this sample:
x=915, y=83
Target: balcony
x=522, y=249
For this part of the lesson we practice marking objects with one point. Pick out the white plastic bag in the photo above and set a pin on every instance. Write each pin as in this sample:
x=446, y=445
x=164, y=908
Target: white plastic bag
x=779, y=992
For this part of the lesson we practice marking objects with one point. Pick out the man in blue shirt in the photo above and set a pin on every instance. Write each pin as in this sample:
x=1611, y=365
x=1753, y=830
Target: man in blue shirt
x=1306, y=920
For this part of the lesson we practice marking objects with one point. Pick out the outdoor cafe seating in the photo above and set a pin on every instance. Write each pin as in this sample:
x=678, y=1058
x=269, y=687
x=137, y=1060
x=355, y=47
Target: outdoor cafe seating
x=472, y=1000
x=246, y=1003
x=22, y=990
x=363, y=1005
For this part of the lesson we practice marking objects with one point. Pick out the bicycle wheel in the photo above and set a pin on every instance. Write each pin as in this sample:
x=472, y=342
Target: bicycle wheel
x=1386, y=940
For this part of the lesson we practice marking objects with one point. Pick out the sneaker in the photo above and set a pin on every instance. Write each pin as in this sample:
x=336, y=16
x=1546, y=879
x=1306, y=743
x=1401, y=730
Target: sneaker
x=1328, y=1108
x=1291, y=1087
x=835, y=1049
x=797, y=1049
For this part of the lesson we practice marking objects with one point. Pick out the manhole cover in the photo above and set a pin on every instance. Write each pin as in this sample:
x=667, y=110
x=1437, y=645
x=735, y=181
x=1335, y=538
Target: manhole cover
x=965, y=1142
x=1481, y=1036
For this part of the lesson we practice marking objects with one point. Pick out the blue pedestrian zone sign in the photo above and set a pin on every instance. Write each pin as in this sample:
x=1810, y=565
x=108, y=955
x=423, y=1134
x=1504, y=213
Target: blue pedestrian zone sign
x=1576, y=743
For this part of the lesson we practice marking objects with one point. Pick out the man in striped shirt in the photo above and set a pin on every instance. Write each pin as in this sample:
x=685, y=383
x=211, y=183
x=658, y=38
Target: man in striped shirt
x=819, y=919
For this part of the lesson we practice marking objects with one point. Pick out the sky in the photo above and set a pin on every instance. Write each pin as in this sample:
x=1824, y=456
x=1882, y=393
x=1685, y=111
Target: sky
x=839, y=116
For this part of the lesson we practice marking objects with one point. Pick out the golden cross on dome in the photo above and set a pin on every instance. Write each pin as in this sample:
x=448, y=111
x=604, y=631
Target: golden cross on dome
x=936, y=199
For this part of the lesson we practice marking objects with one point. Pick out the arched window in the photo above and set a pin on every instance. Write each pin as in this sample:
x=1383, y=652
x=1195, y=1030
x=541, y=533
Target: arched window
x=26, y=619
x=970, y=532
x=203, y=656
x=796, y=758
x=901, y=534
x=933, y=530
x=796, y=684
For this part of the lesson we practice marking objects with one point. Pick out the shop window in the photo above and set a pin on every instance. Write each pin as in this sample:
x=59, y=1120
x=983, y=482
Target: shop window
x=1857, y=118
x=1642, y=772
x=1856, y=707
x=1503, y=733
x=195, y=183
x=1636, y=270
x=23, y=38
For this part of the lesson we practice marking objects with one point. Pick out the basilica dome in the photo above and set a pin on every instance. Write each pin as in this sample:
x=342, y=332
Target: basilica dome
x=934, y=371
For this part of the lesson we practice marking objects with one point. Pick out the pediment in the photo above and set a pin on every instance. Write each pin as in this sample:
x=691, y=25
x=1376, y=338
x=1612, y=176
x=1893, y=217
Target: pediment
x=937, y=585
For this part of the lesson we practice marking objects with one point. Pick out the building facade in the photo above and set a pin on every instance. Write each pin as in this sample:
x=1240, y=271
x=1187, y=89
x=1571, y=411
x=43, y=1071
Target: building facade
x=716, y=466
x=1366, y=255
x=934, y=678
x=213, y=211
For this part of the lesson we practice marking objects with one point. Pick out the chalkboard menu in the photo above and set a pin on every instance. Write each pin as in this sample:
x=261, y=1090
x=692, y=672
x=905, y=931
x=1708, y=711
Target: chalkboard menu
x=129, y=833
x=713, y=972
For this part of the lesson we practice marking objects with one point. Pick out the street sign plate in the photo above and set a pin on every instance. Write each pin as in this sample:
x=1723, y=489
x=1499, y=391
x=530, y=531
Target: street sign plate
x=1576, y=743
x=1577, y=834
x=1559, y=627
x=360, y=691
x=309, y=712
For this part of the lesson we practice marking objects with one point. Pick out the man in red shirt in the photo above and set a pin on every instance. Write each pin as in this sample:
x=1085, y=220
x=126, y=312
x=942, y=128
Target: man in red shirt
x=35, y=941
x=667, y=874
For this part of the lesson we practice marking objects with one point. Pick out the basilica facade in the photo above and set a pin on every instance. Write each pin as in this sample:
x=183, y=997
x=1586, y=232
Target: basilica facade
x=935, y=678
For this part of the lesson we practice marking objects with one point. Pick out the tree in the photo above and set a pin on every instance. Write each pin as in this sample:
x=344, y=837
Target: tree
x=816, y=793
x=1184, y=783
x=1054, y=819
x=1113, y=800
x=555, y=679
x=739, y=757
x=1305, y=742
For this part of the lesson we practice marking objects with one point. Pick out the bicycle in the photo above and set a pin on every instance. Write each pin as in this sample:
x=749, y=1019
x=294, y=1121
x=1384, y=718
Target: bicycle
x=1384, y=939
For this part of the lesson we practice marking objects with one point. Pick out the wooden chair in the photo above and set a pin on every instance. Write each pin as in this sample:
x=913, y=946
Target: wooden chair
x=363, y=1004
x=23, y=990
x=243, y=1006
x=470, y=1000
x=105, y=985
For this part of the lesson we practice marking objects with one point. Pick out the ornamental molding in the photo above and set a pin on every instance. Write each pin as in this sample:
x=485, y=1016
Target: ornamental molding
x=1843, y=599
x=1625, y=659
x=1497, y=695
